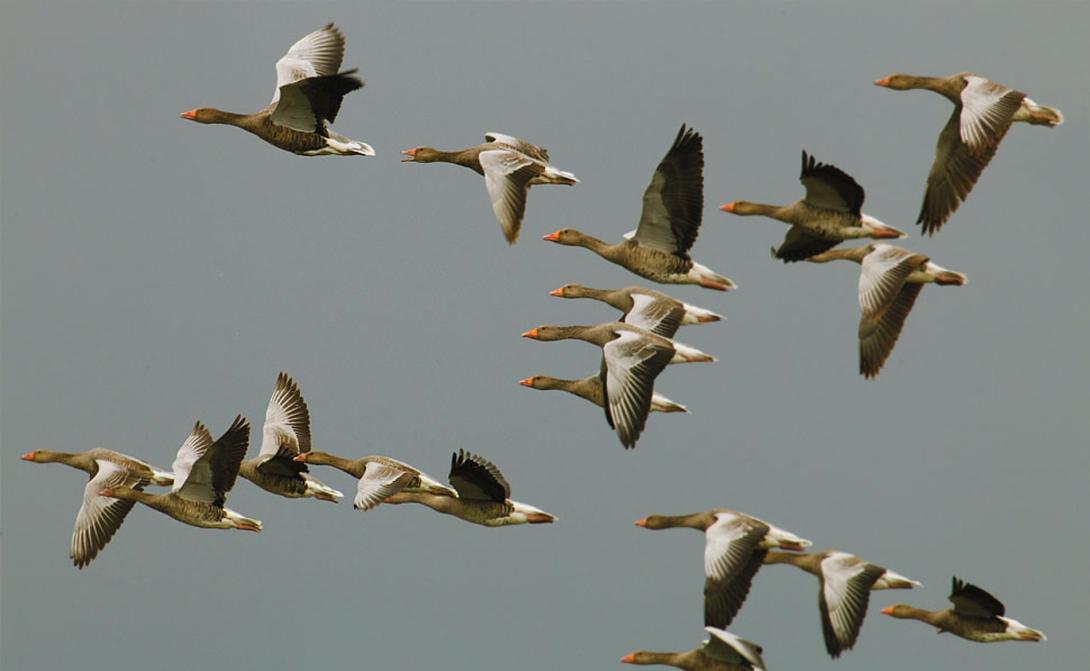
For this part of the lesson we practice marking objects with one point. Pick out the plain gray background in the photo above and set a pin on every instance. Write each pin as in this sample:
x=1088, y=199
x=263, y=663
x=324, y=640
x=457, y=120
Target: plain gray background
x=156, y=272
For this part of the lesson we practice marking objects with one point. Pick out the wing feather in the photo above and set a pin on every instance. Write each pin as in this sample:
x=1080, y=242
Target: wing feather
x=673, y=204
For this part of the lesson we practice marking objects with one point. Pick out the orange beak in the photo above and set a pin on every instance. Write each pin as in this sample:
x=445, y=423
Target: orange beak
x=106, y=492
x=884, y=81
x=527, y=381
x=552, y=237
x=729, y=207
x=300, y=457
x=888, y=610
x=630, y=658
x=532, y=333
x=191, y=115
x=29, y=456
x=411, y=153
x=557, y=292
x=642, y=522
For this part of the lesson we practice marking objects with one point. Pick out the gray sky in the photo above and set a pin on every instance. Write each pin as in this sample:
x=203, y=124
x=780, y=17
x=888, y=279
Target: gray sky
x=156, y=272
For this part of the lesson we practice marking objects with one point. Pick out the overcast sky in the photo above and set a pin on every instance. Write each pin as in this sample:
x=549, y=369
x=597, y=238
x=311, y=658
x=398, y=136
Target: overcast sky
x=156, y=272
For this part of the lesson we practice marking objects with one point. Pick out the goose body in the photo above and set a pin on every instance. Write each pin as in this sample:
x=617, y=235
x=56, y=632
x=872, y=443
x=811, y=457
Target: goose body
x=646, y=308
x=829, y=213
x=983, y=113
x=379, y=477
x=309, y=90
x=673, y=206
x=975, y=616
x=100, y=517
x=889, y=283
x=631, y=360
x=590, y=388
x=735, y=547
x=723, y=651
x=285, y=435
x=510, y=166
x=482, y=496
x=204, y=472
x=846, y=584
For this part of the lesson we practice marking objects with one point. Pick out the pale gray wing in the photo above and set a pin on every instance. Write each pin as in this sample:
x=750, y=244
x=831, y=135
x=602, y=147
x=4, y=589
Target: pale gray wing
x=287, y=421
x=877, y=336
x=531, y=150
x=884, y=272
x=507, y=176
x=318, y=54
x=100, y=517
x=673, y=203
x=630, y=364
x=189, y=455
x=379, y=482
x=306, y=105
x=661, y=317
x=731, y=544
x=214, y=473
x=830, y=187
x=987, y=109
x=846, y=583
x=727, y=647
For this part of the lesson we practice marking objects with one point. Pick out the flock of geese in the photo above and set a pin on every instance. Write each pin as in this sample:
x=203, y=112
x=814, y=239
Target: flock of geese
x=634, y=351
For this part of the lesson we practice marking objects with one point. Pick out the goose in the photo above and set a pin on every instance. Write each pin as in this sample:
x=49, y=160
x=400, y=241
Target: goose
x=308, y=95
x=890, y=280
x=483, y=495
x=672, y=211
x=510, y=166
x=100, y=517
x=735, y=546
x=649, y=309
x=379, y=477
x=846, y=584
x=983, y=113
x=590, y=388
x=631, y=360
x=829, y=214
x=285, y=435
x=204, y=471
x=976, y=616
x=723, y=651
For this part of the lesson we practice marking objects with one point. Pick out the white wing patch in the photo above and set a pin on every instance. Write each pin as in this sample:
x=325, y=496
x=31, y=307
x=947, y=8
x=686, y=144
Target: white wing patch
x=986, y=112
x=883, y=274
x=316, y=55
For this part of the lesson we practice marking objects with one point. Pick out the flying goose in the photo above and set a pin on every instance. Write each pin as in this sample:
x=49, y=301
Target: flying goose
x=308, y=95
x=379, y=477
x=983, y=113
x=723, y=651
x=590, y=388
x=649, y=309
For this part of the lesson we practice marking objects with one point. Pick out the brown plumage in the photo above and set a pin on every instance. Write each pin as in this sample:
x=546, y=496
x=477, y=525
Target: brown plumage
x=976, y=616
x=723, y=651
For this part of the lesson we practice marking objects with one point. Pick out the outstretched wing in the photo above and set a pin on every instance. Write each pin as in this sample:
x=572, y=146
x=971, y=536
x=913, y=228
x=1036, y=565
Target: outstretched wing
x=318, y=54
x=673, y=204
x=972, y=601
x=477, y=478
x=830, y=187
x=630, y=364
x=846, y=582
x=507, y=176
x=100, y=517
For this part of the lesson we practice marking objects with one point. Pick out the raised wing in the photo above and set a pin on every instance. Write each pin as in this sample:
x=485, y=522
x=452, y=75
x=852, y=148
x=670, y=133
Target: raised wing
x=878, y=336
x=798, y=245
x=630, y=364
x=673, y=204
x=214, y=473
x=100, y=517
x=661, y=317
x=189, y=454
x=735, y=650
x=318, y=54
x=379, y=482
x=507, y=176
x=846, y=582
x=731, y=544
x=971, y=601
x=306, y=105
x=531, y=150
x=286, y=431
x=987, y=109
x=477, y=478
x=884, y=273
x=830, y=187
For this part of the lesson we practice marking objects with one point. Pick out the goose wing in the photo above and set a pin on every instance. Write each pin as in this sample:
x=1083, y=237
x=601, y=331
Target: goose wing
x=884, y=273
x=213, y=473
x=830, y=187
x=306, y=105
x=658, y=315
x=846, y=581
x=507, y=176
x=531, y=150
x=970, y=600
x=798, y=245
x=735, y=650
x=878, y=336
x=380, y=480
x=318, y=54
x=673, y=204
x=100, y=517
x=477, y=478
x=630, y=364
x=731, y=559
x=286, y=432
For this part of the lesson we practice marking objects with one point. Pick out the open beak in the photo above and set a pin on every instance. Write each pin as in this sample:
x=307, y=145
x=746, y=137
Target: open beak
x=411, y=153
x=552, y=237
x=191, y=115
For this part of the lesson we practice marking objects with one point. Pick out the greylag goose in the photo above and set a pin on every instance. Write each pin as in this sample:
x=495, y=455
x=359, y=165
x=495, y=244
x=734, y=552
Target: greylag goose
x=846, y=584
x=976, y=616
x=890, y=280
x=379, y=477
x=983, y=113
x=285, y=435
x=673, y=207
x=734, y=548
x=484, y=497
x=510, y=166
x=590, y=388
x=649, y=309
x=204, y=471
x=100, y=517
x=631, y=360
x=723, y=651
x=308, y=95
x=830, y=213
